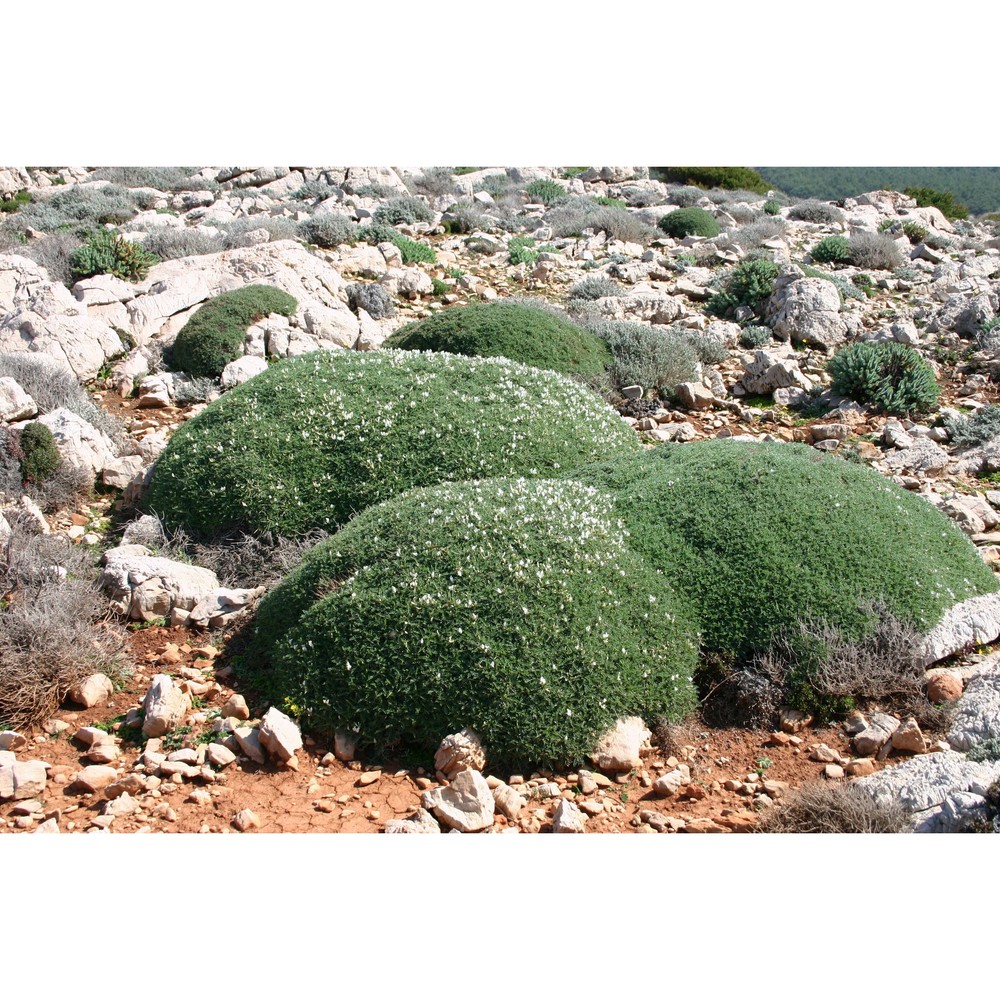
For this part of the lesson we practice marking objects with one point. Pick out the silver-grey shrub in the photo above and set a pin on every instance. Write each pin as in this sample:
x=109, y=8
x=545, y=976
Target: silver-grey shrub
x=597, y=287
x=654, y=358
x=753, y=234
x=79, y=208
x=874, y=252
x=169, y=243
x=51, y=252
x=279, y=228
x=403, y=212
x=328, y=229
x=819, y=212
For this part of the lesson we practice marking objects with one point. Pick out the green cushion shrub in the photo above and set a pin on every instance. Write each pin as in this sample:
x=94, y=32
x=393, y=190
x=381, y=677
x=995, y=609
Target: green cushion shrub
x=215, y=334
x=40, y=454
x=832, y=250
x=760, y=536
x=522, y=333
x=691, y=221
x=317, y=438
x=105, y=252
x=750, y=283
x=512, y=606
x=545, y=190
x=772, y=207
x=892, y=377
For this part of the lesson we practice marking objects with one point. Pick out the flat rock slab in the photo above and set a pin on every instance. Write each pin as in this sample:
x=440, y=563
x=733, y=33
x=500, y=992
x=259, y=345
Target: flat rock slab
x=925, y=782
x=969, y=623
x=977, y=717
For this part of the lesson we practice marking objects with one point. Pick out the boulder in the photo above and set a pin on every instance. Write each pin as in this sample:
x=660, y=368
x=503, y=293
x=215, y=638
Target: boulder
x=145, y=587
x=619, y=748
x=80, y=443
x=15, y=403
x=807, y=311
x=507, y=800
x=923, y=457
x=29, y=778
x=165, y=705
x=973, y=622
x=766, y=372
x=977, y=716
x=880, y=729
x=944, y=687
x=460, y=752
x=278, y=735
x=242, y=370
x=568, y=818
x=465, y=805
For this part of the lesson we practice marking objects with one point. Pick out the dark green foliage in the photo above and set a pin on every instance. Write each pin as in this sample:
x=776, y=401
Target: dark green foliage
x=915, y=232
x=892, y=377
x=943, y=200
x=531, y=336
x=763, y=536
x=15, y=202
x=511, y=606
x=317, y=438
x=521, y=250
x=602, y=199
x=772, y=207
x=656, y=358
x=328, y=229
x=546, y=191
x=403, y=211
x=832, y=250
x=982, y=426
x=439, y=287
x=730, y=178
x=40, y=456
x=749, y=283
x=374, y=299
x=215, y=334
x=415, y=252
x=105, y=252
x=378, y=233
x=691, y=221
x=595, y=288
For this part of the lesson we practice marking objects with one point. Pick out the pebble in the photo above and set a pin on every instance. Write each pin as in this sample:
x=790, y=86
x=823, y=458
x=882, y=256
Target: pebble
x=368, y=778
x=246, y=819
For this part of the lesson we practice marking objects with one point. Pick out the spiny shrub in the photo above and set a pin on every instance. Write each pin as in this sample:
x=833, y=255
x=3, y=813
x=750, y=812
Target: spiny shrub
x=690, y=222
x=51, y=252
x=749, y=283
x=816, y=211
x=753, y=337
x=943, y=200
x=403, y=212
x=215, y=334
x=595, y=288
x=105, y=252
x=545, y=190
x=315, y=439
x=655, y=358
x=464, y=217
x=328, y=229
x=712, y=512
x=40, y=455
x=374, y=299
x=730, y=178
x=511, y=606
x=982, y=426
x=892, y=377
x=832, y=250
x=874, y=252
x=826, y=807
x=531, y=336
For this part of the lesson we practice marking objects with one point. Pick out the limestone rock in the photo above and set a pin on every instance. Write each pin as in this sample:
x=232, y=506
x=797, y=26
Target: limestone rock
x=278, y=735
x=879, y=731
x=345, y=744
x=672, y=782
x=79, y=442
x=766, y=372
x=459, y=752
x=11, y=740
x=242, y=370
x=977, y=716
x=694, y=396
x=466, y=805
x=972, y=622
x=246, y=819
x=145, y=586
x=219, y=755
x=923, y=457
x=420, y=822
x=909, y=738
x=619, y=748
x=507, y=800
x=95, y=777
x=165, y=706
x=15, y=403
x=91, y=691
x=236, y=708
x=249, y=742
x=807, y=310
x=29, y=778
x=568, y=818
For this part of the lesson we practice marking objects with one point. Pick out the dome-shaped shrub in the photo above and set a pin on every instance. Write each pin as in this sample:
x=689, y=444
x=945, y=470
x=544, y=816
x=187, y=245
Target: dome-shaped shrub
x=892, y=377
x=214, y=335
x=762, y=536
x=317, y=438
x=690, y=221
x=512, y=606
x=522, y=333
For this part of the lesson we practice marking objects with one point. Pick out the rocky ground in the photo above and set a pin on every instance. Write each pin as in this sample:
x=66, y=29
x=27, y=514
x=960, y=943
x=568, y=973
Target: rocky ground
x=941, y=299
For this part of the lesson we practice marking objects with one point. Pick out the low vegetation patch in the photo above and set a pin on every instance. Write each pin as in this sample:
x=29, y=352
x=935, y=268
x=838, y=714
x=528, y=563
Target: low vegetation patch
x=105, y=252
x=829, y=807
x=977, y=429
x=511, y=606
x=730, y=178
x=691, y=221
x=892, y=377
x=522, y=333
x=215, y=334
x=317, y=438
x=657, y=358
x=750, y=283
